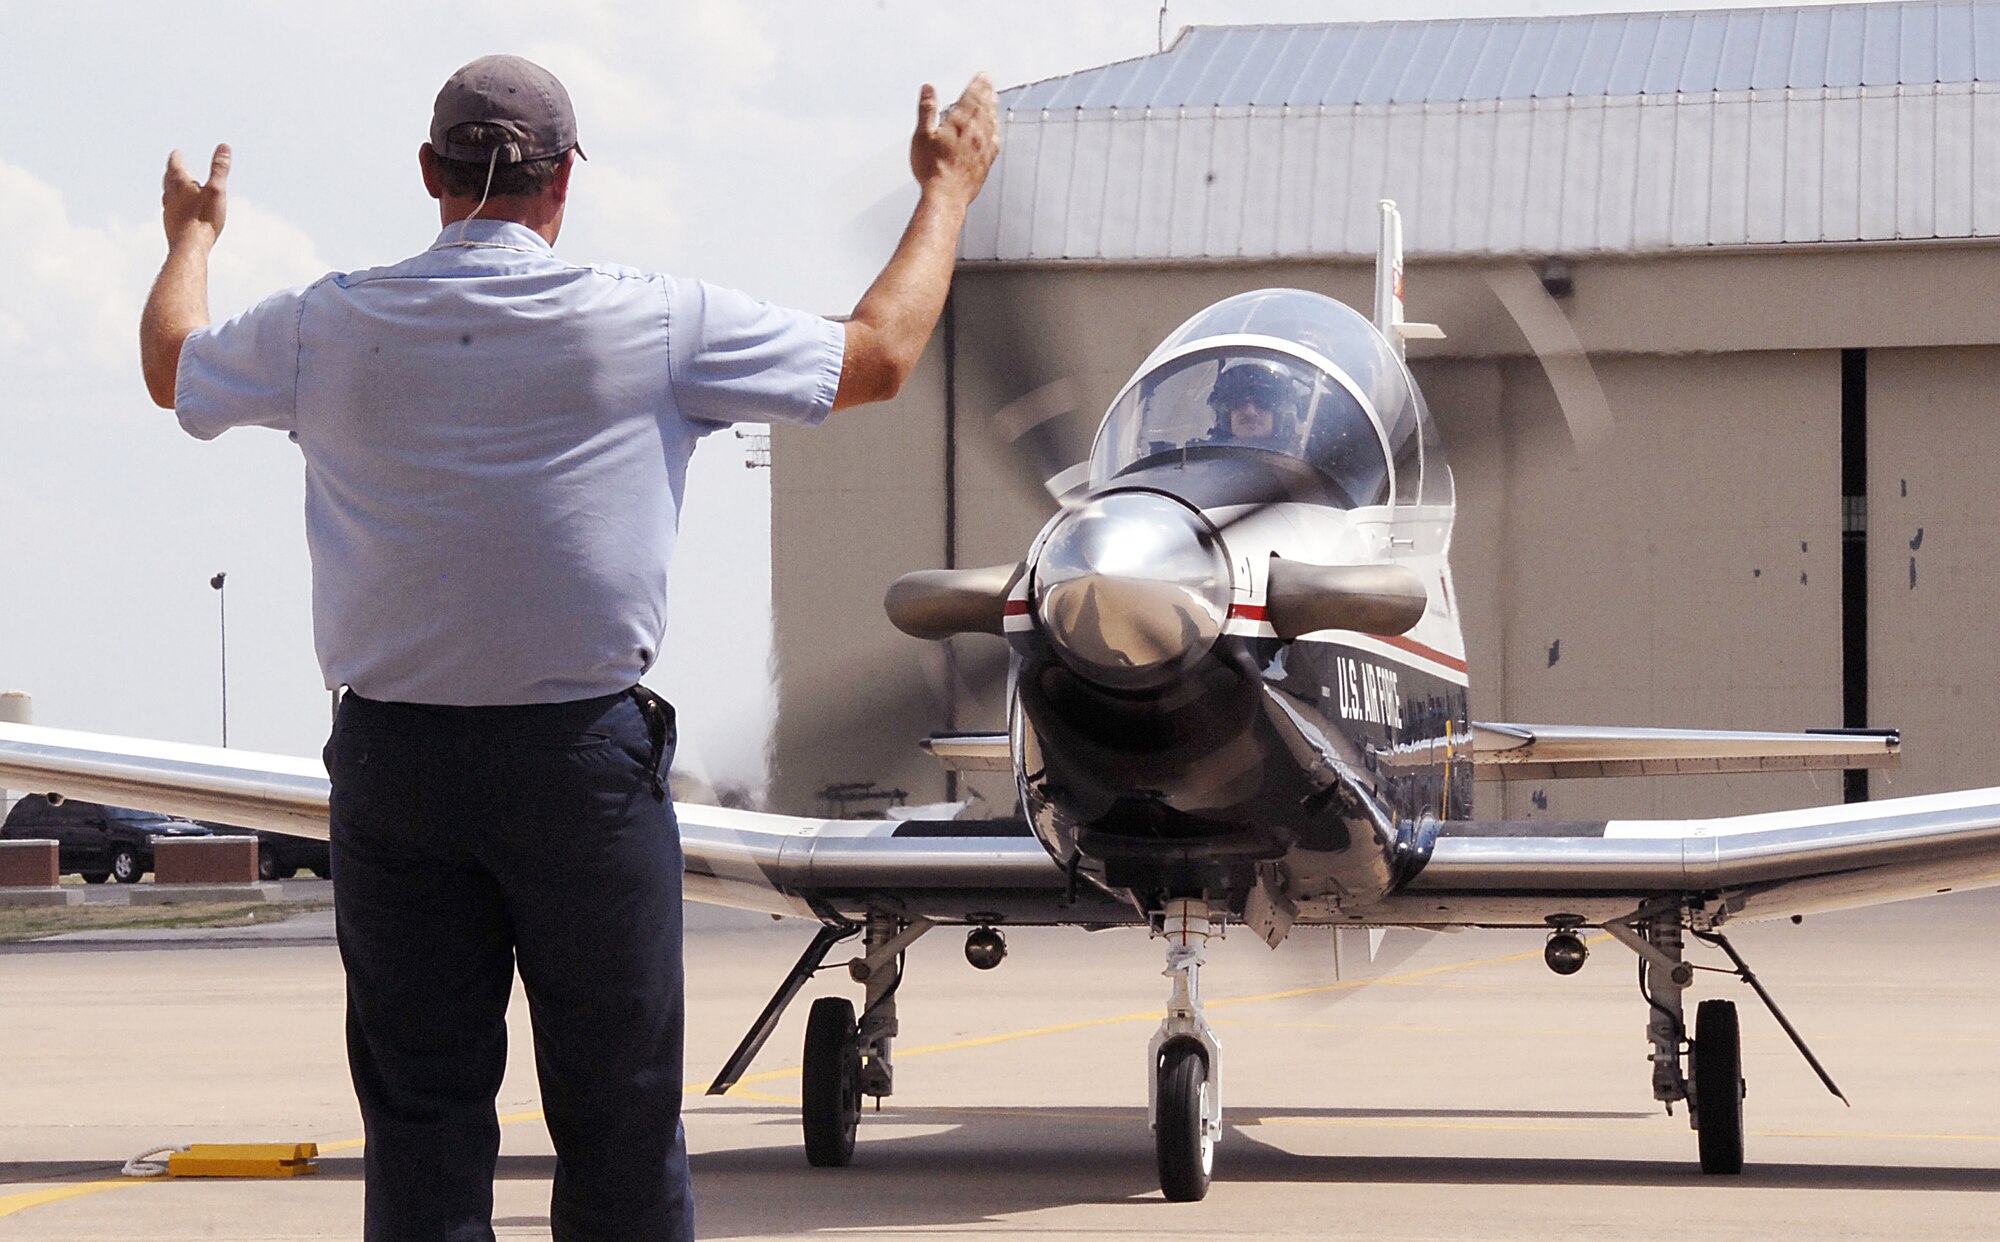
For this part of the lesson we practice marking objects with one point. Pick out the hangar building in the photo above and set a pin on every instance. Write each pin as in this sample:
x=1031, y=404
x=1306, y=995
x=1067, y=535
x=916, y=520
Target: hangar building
x=1770, y=230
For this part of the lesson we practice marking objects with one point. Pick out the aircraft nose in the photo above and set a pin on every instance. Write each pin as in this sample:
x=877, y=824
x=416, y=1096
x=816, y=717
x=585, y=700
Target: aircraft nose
x=1131, y=589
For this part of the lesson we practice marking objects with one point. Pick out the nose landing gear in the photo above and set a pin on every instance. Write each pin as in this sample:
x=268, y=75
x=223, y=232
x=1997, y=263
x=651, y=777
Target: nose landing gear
x=1185, y=1105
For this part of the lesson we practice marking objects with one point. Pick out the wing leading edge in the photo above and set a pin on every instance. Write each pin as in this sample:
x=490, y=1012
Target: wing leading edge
x=1482, y=873
x=778, y=864
x=1759, y=866
x=1554, y=752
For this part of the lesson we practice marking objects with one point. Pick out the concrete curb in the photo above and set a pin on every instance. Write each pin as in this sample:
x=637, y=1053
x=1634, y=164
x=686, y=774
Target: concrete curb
x=11, y=898
x=171, y=894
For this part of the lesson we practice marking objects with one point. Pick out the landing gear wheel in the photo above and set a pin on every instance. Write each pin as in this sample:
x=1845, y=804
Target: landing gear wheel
x=831, y=1097
x=1181, y=1138
x=1718, y=1086
x=125, y=866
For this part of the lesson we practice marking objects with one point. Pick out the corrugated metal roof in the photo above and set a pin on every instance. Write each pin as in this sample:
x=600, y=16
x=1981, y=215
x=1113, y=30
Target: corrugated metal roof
x=1923, y=42
x=1606, y=133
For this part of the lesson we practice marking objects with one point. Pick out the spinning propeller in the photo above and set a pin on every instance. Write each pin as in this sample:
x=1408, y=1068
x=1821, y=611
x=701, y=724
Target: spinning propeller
x=1131, y=588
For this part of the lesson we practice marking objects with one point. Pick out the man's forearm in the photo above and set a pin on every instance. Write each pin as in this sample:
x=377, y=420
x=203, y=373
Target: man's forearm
x=900, y=310
x=177, y=306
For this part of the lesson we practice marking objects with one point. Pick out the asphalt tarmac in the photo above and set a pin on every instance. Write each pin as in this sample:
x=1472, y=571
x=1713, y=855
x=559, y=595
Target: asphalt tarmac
x=1465, y=1093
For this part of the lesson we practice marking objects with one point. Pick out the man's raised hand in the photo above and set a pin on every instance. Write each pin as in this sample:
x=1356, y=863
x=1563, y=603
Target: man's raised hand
x=194, y=210
x=955, y=153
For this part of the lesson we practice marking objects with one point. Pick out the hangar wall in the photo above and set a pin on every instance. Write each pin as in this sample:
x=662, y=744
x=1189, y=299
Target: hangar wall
x=1686, y=573
x=1934, y=557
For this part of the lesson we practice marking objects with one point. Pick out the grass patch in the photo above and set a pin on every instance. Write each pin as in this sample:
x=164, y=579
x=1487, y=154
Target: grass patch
x=37, y=922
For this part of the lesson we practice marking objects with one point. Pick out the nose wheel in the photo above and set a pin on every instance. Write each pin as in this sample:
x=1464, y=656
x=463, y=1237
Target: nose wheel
x=1181, y=1135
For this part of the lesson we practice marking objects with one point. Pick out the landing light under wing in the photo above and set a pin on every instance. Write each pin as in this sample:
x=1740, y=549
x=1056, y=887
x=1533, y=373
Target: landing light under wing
x=1555, y=752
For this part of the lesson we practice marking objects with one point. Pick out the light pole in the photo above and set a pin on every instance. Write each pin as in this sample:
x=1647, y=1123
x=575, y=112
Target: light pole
x=222, y=615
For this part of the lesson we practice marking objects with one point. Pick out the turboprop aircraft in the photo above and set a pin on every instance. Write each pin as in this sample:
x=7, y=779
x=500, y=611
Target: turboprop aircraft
x=1237, y=694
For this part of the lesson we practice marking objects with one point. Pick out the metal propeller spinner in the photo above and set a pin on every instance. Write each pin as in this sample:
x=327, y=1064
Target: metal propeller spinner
x=1132, y=589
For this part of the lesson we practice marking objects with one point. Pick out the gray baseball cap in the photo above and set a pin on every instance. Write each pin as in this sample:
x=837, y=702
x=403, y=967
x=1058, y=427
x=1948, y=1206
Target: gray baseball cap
x=516, y=96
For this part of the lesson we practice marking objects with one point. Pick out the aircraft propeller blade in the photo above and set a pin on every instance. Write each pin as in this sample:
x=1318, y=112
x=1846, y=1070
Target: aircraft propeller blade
x=1017, y=349
x=940, y=603
x=1549, y=334
x=1369, y=599
x=1030, y=423
x=931, y=692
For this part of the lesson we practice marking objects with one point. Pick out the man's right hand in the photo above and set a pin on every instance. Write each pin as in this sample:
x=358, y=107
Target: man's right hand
x=954, y=155
x=192, y=210
x=891, y=322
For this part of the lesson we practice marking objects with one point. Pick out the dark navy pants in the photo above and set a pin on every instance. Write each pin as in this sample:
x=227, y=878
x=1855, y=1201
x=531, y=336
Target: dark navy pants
x=468, y=841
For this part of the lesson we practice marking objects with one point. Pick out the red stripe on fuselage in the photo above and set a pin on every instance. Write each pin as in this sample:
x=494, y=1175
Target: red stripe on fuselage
x=1417, y=649
x=1258, y=612
x=1016, y=608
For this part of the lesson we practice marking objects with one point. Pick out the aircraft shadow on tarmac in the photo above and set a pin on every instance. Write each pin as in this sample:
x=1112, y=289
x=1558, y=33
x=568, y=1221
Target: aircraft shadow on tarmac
x=972, y=1164
x=965, y=1165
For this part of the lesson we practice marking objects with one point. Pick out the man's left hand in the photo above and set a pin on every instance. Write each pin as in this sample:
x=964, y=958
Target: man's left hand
x=194, y=210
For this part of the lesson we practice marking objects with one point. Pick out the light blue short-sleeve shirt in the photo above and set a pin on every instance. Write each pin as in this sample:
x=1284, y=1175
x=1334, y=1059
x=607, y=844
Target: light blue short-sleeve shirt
x=496, y=445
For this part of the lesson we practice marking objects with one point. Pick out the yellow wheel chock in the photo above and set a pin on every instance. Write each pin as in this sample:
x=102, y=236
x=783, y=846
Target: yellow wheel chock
x=229, y=1160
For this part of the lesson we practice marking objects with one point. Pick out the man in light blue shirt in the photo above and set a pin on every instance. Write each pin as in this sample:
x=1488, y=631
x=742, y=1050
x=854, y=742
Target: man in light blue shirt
x=496, y=444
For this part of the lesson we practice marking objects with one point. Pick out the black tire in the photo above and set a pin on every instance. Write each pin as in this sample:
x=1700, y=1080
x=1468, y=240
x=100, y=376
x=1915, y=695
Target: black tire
x=323, y=870
x=125, y=865
x=1186, y=1156
x=1718, y=1086
x=96, y=877
x=830, y=1104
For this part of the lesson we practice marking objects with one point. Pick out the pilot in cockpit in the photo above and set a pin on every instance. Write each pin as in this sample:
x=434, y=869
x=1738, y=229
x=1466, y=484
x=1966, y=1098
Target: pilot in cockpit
x=1256, y=404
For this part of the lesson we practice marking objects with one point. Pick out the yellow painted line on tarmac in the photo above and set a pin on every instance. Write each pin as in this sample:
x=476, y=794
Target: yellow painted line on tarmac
x=11, y=1204
x=1381, y=1123
x=34, y=1198
x=1870, y=1134
x=1154, y=1015
x=1384, y=1123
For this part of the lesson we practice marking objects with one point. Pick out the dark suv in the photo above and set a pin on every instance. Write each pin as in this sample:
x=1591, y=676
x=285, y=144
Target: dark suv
x=280, y=854
x=99, y=842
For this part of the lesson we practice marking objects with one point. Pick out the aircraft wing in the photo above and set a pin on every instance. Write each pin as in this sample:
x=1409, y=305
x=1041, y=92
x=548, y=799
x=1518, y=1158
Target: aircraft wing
x=1554, y=752
x=1766, y=865
x=276, y=792
x=945, y=871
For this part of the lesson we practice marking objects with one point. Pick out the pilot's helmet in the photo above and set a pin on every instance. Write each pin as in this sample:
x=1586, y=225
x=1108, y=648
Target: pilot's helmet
x=1263, y=384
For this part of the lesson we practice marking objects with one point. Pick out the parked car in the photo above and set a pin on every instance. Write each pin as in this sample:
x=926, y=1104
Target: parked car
x=96, y=842
x=280, y=854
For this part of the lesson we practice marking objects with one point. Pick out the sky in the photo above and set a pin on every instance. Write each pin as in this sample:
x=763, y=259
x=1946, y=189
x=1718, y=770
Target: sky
x=760, y=145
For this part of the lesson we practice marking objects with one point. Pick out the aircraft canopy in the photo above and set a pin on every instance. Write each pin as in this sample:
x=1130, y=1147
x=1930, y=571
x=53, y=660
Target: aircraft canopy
x=1285, y=371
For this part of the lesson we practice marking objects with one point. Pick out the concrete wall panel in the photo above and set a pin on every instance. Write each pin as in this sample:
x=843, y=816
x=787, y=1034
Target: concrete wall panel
x=1934, y=564
x=854, y=503
x=1685, y=574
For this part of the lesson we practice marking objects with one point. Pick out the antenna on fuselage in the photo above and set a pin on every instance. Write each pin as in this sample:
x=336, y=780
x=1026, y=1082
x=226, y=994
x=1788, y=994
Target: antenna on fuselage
x=1389, y=285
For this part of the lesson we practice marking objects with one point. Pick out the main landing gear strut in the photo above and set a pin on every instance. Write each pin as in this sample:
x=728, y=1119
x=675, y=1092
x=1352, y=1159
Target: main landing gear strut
x=1712, y=1081
x=845, y=1057
x=1185, y=1103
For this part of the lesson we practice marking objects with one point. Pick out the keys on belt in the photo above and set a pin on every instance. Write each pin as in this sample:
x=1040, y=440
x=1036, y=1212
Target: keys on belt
x=659, y=716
